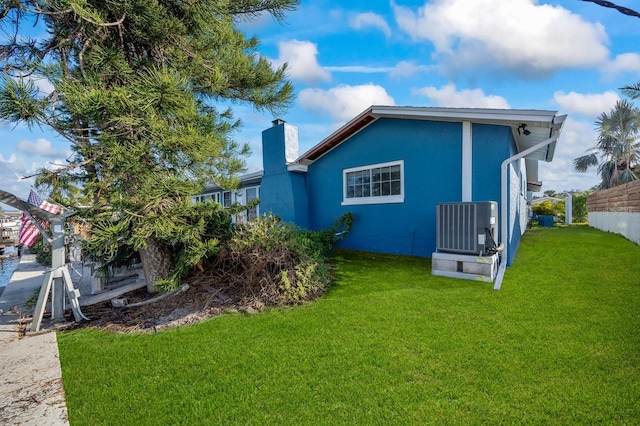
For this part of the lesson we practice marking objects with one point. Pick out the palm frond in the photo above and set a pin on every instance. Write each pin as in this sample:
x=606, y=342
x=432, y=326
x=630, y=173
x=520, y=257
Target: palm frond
x=581, y=164
x=632, y=91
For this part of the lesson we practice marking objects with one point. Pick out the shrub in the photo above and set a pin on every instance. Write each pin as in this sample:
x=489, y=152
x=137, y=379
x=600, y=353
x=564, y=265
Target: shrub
x=544, y=208
x=579, y=208
x=327, y=238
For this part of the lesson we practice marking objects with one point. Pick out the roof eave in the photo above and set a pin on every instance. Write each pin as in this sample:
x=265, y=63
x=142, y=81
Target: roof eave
x=476, y=115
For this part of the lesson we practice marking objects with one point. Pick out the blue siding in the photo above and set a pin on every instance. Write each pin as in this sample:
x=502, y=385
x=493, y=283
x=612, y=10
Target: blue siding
x=491, y=146
x=490, y=149
x=432, y=168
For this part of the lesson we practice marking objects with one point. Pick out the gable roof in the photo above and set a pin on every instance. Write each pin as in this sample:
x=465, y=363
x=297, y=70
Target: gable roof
x=540, y=125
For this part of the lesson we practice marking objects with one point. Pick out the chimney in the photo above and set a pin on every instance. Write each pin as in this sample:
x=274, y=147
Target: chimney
x=282, y=192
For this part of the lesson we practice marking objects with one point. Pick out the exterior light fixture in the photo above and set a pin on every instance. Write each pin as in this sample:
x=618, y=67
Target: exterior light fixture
x=523, y=127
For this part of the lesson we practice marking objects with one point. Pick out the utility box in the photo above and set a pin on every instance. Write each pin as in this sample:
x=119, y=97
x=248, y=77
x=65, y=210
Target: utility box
x=467, y=227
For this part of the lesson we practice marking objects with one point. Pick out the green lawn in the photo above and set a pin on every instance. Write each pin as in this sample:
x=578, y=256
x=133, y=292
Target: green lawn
x=391, y=344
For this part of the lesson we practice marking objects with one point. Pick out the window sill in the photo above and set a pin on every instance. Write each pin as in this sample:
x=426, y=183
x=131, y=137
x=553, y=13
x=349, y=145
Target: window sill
x=373, y=200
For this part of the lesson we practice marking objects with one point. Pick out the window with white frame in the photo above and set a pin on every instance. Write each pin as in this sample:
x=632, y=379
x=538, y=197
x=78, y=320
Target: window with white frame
x=374, y=184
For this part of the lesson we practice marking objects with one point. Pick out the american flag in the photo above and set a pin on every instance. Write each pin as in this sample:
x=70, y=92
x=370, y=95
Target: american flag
x=28, y=231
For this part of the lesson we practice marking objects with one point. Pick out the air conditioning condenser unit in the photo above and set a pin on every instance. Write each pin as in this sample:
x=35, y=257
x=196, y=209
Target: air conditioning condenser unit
x=467, y=227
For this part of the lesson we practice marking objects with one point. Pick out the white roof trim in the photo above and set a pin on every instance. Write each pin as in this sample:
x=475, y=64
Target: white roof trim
x=471, y=114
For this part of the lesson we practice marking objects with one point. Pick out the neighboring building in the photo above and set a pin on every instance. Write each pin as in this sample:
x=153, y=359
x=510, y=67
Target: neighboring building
x=10, y=220
x=390, y=166
x=248, y=191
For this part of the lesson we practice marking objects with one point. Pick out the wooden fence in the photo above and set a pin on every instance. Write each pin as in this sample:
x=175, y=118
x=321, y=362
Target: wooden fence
x=621, y=198
x=617, y=210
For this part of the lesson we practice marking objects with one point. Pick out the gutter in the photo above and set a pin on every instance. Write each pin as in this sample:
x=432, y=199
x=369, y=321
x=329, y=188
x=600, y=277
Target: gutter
x=504, y=225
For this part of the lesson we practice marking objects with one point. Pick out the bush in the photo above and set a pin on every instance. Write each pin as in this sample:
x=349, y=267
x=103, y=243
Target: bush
x=327, y=238
x=544, y=208
x=579, y=208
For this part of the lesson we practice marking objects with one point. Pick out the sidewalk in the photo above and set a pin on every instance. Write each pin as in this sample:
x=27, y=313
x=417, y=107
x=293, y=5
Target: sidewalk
x=30, y=374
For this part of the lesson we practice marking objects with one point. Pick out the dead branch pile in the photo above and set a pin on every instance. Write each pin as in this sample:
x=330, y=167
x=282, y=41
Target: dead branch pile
x=274, y=276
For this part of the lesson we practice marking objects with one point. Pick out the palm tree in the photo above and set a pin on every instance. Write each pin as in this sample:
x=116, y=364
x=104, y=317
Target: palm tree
x=617, y=149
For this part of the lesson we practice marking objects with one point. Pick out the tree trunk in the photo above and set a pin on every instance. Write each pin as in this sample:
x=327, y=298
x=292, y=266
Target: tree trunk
x=157, y=262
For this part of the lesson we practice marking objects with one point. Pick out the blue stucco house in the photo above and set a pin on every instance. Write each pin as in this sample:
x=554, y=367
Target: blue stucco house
x=390, y=166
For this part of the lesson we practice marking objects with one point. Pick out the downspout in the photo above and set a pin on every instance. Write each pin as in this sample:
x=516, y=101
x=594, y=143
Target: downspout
x=504, y=225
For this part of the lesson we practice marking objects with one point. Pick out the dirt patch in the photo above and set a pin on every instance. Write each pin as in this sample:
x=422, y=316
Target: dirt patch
x=196, y=303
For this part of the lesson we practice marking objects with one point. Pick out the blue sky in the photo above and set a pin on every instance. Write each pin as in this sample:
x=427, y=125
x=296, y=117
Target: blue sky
x=569, y=56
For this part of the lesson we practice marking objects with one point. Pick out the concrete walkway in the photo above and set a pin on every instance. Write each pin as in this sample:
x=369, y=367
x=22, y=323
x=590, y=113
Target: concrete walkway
x=31, y=391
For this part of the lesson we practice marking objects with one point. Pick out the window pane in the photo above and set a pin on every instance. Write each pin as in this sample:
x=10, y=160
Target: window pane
x=351, y=192
x=395, y=187
x=366, y=191
x=351, y=178
x=375, y=174
x=386, y=175
x=376, y=189
x=395, y=172
x=252, y=213
x=358, y=191
x=252, y=194
x=386, y=188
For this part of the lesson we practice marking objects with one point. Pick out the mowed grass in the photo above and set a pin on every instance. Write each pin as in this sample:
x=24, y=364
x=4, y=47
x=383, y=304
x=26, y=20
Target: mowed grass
x=392, y=344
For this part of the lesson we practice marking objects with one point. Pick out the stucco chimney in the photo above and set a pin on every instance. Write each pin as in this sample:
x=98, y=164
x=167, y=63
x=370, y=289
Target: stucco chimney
x=282, y=192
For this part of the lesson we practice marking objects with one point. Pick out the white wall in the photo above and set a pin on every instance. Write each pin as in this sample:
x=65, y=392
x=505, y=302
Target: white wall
x=626, y=224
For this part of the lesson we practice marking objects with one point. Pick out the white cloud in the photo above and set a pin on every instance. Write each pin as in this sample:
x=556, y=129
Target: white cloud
x=42, y=83
x=588, y=105
x=42, y=147
x=408, y=68
x=344, y=102
x=370, y=20
x=448, y=96
x=516, y=36
x=622, y=64
x=576, y=138
x=301, y=57
x=12, y=171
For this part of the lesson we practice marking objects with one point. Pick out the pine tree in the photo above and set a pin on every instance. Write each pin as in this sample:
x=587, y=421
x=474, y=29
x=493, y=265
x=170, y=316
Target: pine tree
x=135, y=89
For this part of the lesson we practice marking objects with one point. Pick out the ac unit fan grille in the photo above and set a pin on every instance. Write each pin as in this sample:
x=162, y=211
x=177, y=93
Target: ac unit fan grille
x=462, y=227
